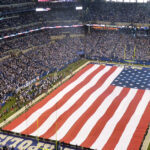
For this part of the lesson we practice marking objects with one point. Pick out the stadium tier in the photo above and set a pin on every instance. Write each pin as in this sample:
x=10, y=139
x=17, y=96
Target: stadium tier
x=7, y=2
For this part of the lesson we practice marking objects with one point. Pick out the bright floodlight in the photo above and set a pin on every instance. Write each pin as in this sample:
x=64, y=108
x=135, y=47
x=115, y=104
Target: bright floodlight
x=79, y=7
x=43, y=9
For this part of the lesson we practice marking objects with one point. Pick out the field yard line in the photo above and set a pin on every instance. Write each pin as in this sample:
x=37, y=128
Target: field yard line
x=146, y=141
x=40, y=97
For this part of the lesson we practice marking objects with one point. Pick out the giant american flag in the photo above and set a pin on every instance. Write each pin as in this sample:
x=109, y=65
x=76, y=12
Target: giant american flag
x=101, y=107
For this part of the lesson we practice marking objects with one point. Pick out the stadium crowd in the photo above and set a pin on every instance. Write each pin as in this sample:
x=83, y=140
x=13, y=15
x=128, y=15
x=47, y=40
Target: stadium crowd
x=18, y=20
x=33, y=39
x=102, y=11
x=113, y=44
x=45, y=55
x=118, y=12
x=21, y=68
x=14, y=2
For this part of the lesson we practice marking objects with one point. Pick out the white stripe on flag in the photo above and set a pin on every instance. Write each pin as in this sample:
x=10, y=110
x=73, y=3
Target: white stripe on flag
x=109, y=127
x=133, y=123
x=76, y=115
x=52, y=118
x=88, y=126
x=34, y=116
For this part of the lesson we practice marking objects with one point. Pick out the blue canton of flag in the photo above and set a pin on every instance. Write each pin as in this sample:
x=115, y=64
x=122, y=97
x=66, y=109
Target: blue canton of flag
x=133, y=78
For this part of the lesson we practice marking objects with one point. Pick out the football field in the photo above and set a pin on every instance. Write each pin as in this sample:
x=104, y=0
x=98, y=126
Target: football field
x=100, y=107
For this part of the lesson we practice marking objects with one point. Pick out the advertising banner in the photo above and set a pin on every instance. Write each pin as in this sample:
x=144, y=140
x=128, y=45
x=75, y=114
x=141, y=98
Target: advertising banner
x=17, y=142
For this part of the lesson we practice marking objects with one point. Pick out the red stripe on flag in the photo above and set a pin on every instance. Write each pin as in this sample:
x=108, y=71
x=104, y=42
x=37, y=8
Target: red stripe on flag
x=97, y=129
x=138, y=136
x=61, y=120
x=61, y=102
x=113, y=140
x=24, y=116
x=72, y=133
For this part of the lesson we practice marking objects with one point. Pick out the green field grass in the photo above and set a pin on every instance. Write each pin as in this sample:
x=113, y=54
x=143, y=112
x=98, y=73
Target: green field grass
x=148, y=147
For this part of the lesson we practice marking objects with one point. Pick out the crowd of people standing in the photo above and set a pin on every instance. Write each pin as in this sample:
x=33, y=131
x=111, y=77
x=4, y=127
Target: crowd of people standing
x=46, y=55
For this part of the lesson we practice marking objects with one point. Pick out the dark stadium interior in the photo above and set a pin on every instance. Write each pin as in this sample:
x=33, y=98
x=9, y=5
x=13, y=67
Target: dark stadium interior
x=114, y=31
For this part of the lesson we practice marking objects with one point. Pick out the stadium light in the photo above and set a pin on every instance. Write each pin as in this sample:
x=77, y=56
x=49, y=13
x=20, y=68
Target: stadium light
x=42, y=9
x=79, y=7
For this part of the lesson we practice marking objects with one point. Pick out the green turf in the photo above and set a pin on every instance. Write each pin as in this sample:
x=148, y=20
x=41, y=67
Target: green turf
x=148, y=147
x=7, y=108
